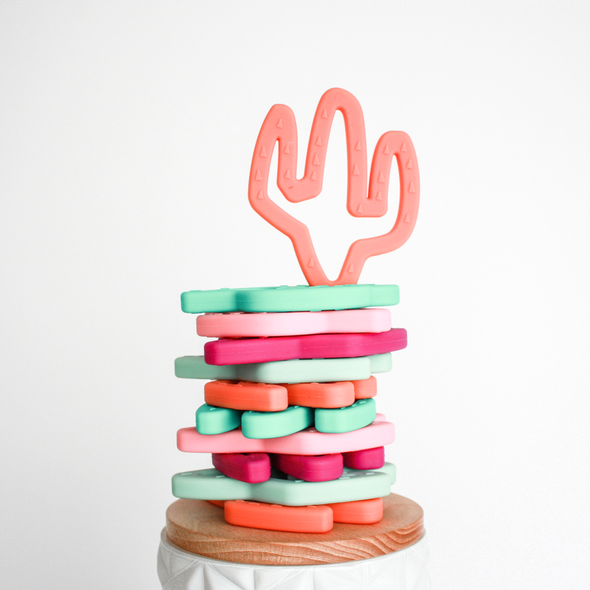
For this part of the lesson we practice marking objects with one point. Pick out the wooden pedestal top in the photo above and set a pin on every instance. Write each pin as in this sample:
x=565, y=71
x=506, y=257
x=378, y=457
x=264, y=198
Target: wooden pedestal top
x=199, y=527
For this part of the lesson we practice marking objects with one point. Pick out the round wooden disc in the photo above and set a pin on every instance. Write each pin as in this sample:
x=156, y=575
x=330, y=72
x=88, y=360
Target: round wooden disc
x=199, y=527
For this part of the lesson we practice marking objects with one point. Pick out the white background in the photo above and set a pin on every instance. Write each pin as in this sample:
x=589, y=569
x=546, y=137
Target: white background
x=126, y=132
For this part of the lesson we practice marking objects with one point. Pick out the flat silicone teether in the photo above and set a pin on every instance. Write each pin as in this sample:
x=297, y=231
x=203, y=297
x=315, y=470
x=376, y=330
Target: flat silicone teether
x=266, y=397
x=262, y=350
x=365, y=458
x=244, y=395
x=244, y=325
x=211, y=484
x=360, y=512
x=248, y=467
x=276, y=517
x=276, y=424
x=294, y=371
x=310, y=468
x=280, y=126
x=331, y=395
x=283, y=299
x=212, y=420
x=322, y=395
x=305, y=442
x=365, y=388
x=360, y=414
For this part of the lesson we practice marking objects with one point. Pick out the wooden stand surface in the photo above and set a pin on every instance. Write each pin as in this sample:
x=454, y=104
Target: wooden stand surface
x=199, y=527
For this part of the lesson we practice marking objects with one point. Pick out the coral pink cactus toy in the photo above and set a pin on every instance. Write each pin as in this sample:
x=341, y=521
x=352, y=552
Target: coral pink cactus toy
x=290, y=416
x=279, y=126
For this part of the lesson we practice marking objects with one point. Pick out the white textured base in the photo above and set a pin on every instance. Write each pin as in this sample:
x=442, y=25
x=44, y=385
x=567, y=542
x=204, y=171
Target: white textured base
x=401, y=570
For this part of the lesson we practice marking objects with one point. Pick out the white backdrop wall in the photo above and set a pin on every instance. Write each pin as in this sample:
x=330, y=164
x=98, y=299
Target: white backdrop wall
x=126, y=132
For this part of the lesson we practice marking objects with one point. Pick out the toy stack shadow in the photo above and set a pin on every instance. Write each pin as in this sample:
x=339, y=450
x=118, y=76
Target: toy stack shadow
x=290, y=417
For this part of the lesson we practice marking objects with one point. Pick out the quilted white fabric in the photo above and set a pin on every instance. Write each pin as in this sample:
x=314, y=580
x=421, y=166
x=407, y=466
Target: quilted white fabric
x=402, y=570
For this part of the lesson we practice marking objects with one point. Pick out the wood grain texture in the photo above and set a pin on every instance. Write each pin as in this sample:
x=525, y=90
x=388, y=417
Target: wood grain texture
x=199, y=527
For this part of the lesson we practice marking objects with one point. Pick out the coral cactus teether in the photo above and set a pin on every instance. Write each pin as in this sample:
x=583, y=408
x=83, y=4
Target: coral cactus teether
x=248, y=325
x=280, y=126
